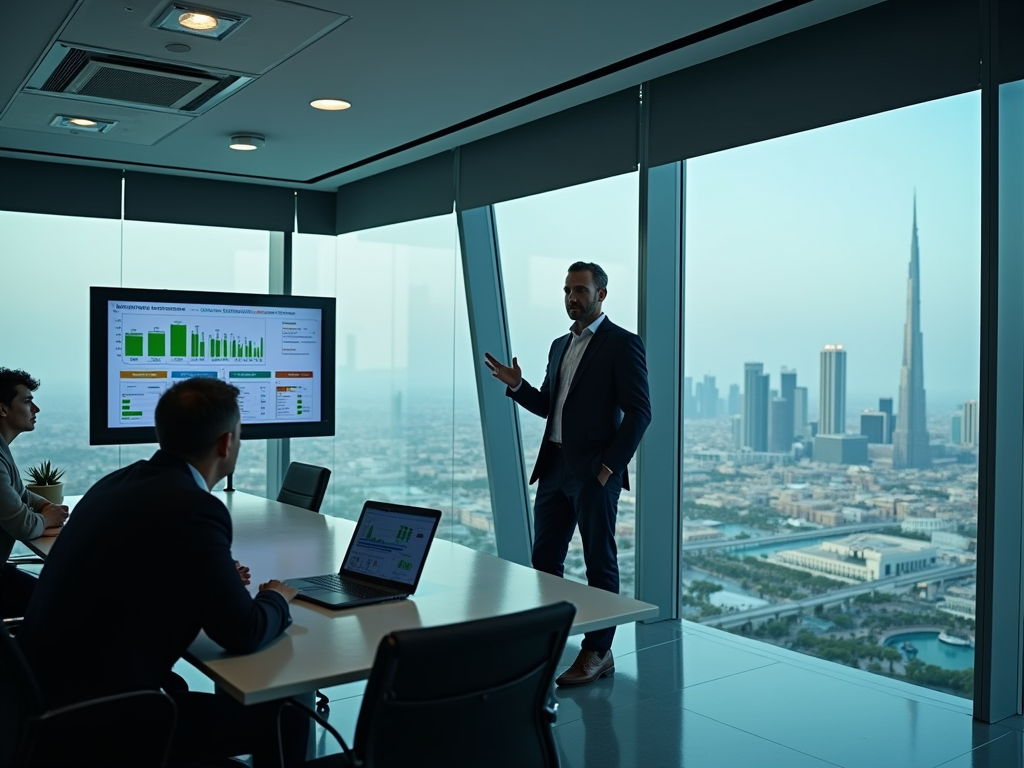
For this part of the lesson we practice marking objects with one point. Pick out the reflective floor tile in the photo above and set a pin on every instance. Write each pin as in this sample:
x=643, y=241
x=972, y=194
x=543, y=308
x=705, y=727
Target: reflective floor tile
x=1005, y=752
x=838, y=721
x=629, y=638
x=654, y=671
x=658, y=733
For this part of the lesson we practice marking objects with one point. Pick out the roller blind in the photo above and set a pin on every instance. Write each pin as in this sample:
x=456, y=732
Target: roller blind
x=889, y=55
x=315, y=212
x=63, y=190
x=414, y=191
x=588, y=142
x=184, y=200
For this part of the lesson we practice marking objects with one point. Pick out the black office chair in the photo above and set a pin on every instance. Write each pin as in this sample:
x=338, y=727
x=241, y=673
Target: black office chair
x=128, y=729
x=491, y=679
x=304, y=485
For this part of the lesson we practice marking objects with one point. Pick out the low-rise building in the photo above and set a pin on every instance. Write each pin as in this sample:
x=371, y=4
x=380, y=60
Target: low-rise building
x=864, y=557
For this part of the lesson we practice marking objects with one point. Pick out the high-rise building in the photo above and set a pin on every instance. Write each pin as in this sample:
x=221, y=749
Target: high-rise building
x=969, y=429
x=755, y=407
x=885, y=406
x=787, y=387
x=874, y=425
x=956, y=428
x=737, y=431
x=689, y=402
x=832, y=405
x=707, y=398
x=734, y=399
x=910, y=441
x=841, y=449
x=780, y=426
x=800, y=426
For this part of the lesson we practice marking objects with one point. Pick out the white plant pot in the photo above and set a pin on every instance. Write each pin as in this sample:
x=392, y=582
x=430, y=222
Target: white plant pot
x=52, y=493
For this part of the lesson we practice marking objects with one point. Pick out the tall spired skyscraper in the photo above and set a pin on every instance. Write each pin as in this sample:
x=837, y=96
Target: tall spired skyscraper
x=910, y=442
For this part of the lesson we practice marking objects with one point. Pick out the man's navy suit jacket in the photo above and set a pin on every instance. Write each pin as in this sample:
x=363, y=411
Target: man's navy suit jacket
x=607, y=409
x=142, y=565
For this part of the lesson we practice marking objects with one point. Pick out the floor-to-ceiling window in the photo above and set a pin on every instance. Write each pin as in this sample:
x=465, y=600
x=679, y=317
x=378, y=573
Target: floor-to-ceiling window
x=408, y=422
x=48, y=264
x=831, y=391
x=183, y=257
x=539, y=237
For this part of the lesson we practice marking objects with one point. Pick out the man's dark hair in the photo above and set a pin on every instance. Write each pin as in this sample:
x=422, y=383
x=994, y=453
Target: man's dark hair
x=599, y=275
x=193, y=414
x=10, y=378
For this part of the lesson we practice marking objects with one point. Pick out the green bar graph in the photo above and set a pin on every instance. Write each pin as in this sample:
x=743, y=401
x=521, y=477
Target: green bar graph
x=179, y=336
x=133, y=344
x=202, y=348
x=156, y=343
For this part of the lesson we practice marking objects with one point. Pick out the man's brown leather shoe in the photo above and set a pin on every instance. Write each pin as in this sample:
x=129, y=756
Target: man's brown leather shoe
x=588, y=667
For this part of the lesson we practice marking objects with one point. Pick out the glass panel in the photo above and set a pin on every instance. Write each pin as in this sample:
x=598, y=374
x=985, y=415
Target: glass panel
x=185, y=257
x=48, y=264
x=407, y=414
x=540, y=237
x=830, y=448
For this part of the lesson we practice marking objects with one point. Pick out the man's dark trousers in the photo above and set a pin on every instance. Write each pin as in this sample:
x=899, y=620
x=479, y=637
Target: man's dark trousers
x=563, y=502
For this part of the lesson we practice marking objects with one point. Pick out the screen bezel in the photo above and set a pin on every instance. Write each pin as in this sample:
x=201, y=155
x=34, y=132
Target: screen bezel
x=101, y=434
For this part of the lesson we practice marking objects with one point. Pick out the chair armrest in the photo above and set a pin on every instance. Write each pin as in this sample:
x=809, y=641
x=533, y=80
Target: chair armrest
x=317, y=718
x=140, y=723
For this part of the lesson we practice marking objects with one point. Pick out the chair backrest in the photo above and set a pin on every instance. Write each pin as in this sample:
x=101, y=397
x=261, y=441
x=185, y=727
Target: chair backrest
x=127, y=729
x=304, y=485
x=20, y=700
x=466, y=694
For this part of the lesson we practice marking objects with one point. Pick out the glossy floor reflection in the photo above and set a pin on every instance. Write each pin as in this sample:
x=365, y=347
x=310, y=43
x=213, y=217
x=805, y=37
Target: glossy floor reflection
x=686, y=695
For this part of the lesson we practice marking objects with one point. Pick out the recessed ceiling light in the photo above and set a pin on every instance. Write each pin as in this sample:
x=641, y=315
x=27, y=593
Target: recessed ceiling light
x=201, y=22
x=330, y=105
x=246, y=142
x=79, y=124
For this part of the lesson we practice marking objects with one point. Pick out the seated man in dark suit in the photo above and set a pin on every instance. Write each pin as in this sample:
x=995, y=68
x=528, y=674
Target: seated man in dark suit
x=142, y=565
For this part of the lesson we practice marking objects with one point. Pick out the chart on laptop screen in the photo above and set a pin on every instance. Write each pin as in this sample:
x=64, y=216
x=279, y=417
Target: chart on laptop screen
x=390, y=545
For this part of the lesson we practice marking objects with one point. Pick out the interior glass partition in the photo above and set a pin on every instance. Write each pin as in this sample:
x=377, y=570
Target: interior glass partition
x=408, y=422
x=830, y=477
x=539, y=237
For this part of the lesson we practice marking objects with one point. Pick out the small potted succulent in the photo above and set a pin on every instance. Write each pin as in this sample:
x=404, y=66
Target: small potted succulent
x=44, y=480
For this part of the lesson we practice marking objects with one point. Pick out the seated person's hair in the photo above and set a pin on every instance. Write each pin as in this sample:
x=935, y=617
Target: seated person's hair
x=193, y=414
x=10, y=378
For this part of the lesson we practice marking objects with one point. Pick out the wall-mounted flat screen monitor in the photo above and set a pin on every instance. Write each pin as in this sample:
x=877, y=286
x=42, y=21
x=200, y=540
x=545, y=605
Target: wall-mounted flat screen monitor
x=278, y=350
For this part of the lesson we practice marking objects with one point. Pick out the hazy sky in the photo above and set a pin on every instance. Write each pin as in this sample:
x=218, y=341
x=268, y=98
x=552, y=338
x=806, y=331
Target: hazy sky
x=790, y=244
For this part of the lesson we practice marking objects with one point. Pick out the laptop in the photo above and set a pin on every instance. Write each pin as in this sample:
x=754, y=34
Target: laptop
x=384, y=559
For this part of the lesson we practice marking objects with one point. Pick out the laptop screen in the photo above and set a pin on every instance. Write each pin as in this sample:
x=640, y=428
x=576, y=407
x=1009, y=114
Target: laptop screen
x=389, y=545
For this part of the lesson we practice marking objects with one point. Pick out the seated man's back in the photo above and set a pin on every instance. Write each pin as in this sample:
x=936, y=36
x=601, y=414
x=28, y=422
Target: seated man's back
x=143, y=564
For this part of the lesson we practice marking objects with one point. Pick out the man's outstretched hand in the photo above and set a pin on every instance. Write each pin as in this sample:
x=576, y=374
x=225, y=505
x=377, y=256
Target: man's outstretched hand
x=510, y=377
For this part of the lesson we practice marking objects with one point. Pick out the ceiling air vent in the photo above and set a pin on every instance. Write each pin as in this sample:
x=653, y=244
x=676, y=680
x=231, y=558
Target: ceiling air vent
x=110, y=78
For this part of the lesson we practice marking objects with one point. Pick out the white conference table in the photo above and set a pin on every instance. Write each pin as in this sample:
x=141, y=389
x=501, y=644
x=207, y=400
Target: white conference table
x=326, y=647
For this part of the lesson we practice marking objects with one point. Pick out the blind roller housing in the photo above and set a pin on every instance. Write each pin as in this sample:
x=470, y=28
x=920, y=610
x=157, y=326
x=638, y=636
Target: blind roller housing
x=890, y=55
x=585, y=143
x=315, y=212
x=418, y=190
x=206, y=202
x=61, y=190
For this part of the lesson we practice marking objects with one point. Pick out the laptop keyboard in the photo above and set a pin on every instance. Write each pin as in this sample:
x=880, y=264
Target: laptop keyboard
x=334, y=583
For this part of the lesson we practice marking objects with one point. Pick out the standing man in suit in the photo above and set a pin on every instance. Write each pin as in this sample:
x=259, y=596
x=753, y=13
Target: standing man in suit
x=152, y=535
x=597, y=405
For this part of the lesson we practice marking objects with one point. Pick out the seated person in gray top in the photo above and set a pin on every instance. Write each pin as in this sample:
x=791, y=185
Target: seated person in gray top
x=23, y=514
